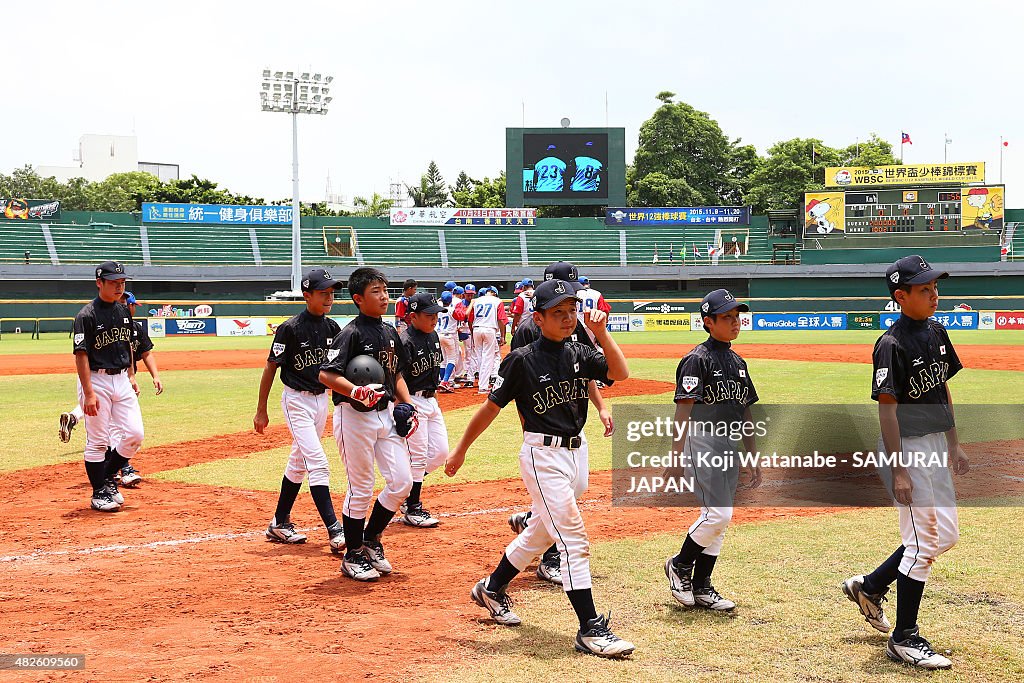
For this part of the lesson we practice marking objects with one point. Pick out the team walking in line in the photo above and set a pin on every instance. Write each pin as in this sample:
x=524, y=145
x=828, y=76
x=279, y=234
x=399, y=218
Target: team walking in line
x=383, y=381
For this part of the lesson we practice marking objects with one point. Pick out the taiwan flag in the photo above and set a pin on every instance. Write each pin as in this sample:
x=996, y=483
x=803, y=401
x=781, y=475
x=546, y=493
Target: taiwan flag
x=906, y=139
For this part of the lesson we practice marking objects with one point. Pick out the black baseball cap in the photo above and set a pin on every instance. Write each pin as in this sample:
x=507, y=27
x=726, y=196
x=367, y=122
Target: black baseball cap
x=564, y=271
x=911, y=270
x=424, y=302
x=720, y=301
x=317, y=279
x=551, y=293
x=111, y=270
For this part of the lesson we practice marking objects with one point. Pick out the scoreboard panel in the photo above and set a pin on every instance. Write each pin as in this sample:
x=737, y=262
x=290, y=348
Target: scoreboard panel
x=924, y=209
x=866, y=212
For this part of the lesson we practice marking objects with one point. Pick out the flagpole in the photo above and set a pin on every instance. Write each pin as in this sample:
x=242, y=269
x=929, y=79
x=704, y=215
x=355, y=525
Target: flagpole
x=945, y=147
x=901, y=146
x=1000, y=159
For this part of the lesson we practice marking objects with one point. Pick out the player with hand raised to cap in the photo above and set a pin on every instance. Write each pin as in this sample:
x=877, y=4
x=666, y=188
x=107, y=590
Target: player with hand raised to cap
x=370, y=421
x=103, y=333
x=913, y=360
x=428, y=445
x=299, y=348
x=713, y=387
x=548, y=381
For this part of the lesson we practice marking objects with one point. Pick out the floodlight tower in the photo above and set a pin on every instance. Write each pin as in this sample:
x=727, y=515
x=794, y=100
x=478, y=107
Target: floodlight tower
x=294, y=93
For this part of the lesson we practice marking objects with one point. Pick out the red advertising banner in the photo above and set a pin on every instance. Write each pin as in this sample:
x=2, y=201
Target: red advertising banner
x=1010, y=320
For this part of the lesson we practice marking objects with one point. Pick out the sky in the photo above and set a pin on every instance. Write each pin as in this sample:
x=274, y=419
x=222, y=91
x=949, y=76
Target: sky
x=441, y=80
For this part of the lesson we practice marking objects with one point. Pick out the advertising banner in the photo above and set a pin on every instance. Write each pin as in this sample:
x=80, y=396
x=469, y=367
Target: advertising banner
x=618, y=322
x=672, y=321
x=241, y=327
x=217, y=214
x=662, y=307
x=636, y=323
x=678, y=215
x=986, y=320
x=192, y=326
x=800, y=321
x=1009, y=320
x=273, y=322
x=157, y=327
x=168, y=311
x=454, y=216
x=30, y=209
x=904, y=174
x=862, y=321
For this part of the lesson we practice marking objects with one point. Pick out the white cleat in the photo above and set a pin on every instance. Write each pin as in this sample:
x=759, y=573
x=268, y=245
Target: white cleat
x=550, y=570
x=916, y=651
x=356, y=566
x=599, y=640
x=418, y=516
x=283, y=533
x=67, y=424
x=103, y=501
x=498, y=604
x=130, y=477
x=870, y=604
x=680, y=582
x=374, y=553
x=708, y=598
x=518, y=522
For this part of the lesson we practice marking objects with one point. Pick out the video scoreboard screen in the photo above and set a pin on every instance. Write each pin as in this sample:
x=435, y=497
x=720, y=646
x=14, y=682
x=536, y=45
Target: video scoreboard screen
x=881, y=211
x=565, y=166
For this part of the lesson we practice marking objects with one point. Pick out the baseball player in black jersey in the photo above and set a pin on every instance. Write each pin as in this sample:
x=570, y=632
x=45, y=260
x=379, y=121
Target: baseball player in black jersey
x=548, y=381
x=528, y=332
x=913, y=361
x=365, y=427
x=713, y=386
x=299, y=348
x=428, y=446
x=142, y=349
x=103, y=334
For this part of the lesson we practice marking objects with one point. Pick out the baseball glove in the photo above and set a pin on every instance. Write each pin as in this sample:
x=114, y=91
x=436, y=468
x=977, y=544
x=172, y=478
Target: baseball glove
x=406, y=421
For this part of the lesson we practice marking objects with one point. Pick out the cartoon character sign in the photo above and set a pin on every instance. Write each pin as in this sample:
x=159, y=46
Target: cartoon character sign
x=824, y=213
x=982, y=208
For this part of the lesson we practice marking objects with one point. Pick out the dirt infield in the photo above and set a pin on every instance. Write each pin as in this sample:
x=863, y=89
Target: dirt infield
x=176, y=605
x=980, y=357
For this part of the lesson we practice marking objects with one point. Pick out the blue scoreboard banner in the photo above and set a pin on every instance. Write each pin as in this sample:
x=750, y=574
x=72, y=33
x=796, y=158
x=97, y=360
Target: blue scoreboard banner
x=678, y=215
x=953, y=320
x=216, y=213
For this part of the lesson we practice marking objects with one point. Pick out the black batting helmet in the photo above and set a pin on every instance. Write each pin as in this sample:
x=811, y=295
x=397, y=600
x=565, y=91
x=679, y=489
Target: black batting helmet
x=363, y=370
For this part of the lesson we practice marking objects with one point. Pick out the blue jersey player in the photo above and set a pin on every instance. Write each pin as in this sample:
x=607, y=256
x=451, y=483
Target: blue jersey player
x=588, y=175
x=550, y=174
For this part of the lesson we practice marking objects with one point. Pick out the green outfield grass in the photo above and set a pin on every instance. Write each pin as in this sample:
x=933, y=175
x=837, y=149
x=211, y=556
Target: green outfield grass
x=59, y=342
x=792, y=624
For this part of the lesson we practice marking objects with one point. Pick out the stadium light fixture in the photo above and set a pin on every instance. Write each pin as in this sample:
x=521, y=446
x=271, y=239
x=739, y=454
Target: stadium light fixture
x=294, y=93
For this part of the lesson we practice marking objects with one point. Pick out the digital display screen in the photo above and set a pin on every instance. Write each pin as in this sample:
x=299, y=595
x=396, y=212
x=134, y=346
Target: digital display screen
x=861, y=198
x=949, y=196
x=565, y=165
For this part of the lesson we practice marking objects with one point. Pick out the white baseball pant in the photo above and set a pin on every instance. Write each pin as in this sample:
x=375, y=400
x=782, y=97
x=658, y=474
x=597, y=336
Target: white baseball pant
x=716, y=491
x=486, y=343
x=368, y=438
x=450, y=352
x=555, y=477
x=306, y=416
x=428, y=445
x=929, y=526
x=118, y=416
x=472, y=358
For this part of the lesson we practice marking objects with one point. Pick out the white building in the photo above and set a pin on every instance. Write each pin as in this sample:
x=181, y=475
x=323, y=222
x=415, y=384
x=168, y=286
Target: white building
x=98, y=156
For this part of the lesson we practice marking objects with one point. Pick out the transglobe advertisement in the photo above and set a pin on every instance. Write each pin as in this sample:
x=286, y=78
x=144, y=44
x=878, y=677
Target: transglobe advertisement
x=799, y=321
x=955, y=320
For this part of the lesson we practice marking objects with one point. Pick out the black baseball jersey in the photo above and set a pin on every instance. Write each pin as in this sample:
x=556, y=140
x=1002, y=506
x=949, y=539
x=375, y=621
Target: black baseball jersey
x=300, y=348
x=912, y=362
x=425, y=358
x=105, y=332
x=712, y=374
x=528, y=332
x=370, y=337
x=548, y=381
x=141, y=343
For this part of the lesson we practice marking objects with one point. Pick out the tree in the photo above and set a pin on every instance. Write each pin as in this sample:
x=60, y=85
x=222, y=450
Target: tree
x=122, y=191
x=792, y=168
x=462, y=184
x=483, y=194
x=872, y=152
x=683, y=144
x=419, y=193
x=197, y=190
x=432, y=190
x=26, y=183
x=375, y=206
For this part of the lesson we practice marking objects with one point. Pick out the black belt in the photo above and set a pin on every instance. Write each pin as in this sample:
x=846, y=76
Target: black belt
x=570, y=442
x=426, y=393
x=111, y=371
